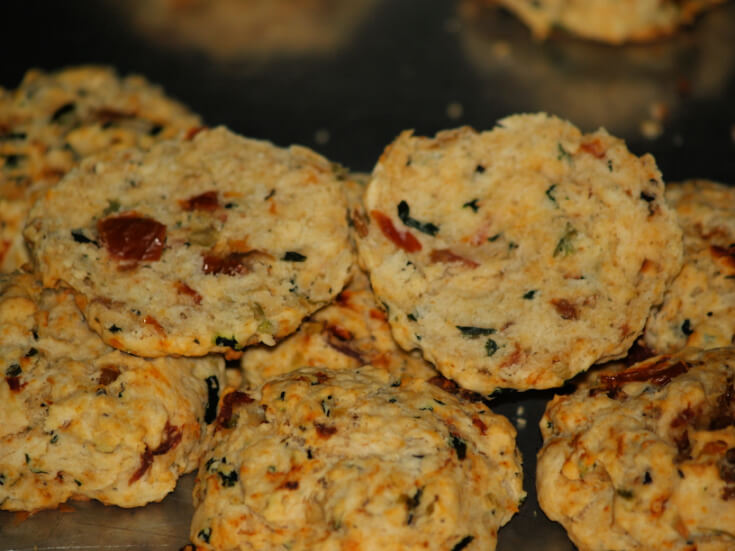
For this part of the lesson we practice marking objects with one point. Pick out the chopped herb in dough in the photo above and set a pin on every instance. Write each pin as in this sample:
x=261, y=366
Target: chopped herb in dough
x=424, y=227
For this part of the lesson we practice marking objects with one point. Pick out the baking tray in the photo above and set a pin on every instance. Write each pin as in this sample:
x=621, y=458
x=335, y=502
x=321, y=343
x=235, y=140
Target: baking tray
x=387, y=65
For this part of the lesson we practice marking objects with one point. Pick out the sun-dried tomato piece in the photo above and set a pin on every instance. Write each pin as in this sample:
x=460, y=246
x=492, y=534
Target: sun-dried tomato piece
x=659, y=373
x=108, y=374
x=566, y=309
x=171, y=438
x=132, y=237
x=183, y=289
x=447, y=256
x=207, y=201
x=594, y=148
x=404, y=240
x=232, y=264
x=325, y=431
x=228, y=403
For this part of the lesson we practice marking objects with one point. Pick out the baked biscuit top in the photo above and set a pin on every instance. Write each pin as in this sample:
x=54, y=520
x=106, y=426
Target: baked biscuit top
x=203, y=244
x=354, y=459
x=520, y=256
x=53, y=120
x=81, y=420
x=644, y=458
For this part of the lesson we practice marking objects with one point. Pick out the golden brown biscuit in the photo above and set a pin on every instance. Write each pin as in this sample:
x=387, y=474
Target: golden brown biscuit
x=81, y=420
x=52, y=120
x=520, y=256
x=351, y=459
x=644, y=458
x=198, y=245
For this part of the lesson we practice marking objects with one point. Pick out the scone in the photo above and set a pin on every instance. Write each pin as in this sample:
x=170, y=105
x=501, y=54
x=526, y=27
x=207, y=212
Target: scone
x=350, y=332
x=699, y=306
x=199, y=245
x=81, y=420
x=644, y=458
x=52, y=120
x=611, y=21
x=351, y=459
x=520, y=256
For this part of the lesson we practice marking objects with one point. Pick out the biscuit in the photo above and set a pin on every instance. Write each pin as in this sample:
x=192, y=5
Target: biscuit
x=349, y=459
x=645, y=458
x=52, y=120
x=521, y=256
x=196, y=246
x=699, y=306
x=611, y=21
x=84, y=421
x=351, y=332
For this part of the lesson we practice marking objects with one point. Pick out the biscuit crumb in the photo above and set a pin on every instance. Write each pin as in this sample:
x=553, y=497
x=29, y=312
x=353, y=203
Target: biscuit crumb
x=651, y=129
x=321, y=136
x=455, y=110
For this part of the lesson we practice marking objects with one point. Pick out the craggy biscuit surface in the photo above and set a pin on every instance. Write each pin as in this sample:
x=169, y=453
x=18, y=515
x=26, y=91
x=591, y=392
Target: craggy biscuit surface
x=81, y=420
x=612, y=21
x=198, y=245
x=353, y=459
x=699, y=306
x=644, y=459
x=517, y=257
x=52, y=120
x=350, y=332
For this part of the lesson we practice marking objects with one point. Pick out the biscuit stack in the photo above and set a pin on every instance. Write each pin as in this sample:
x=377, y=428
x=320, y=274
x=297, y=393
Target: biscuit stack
x=373, y=319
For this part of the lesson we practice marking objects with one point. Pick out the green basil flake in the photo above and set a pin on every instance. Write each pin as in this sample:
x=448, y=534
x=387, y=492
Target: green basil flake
x=565, y=246
x=471, y=205
x=563, y=153
x=459, y=445
x=474, y=332
x=228, y=480
x=491, y=347
x=550, y=193
x=230, y=342
x=424, y=227
x=464, y=542
x=210, y=410
x=292, y=256
x=13, y=370
x=530, y=294
x=204, y=534
x=113, y=205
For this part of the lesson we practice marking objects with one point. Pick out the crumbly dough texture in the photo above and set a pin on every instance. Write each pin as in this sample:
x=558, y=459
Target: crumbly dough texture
x=611, y=21
x=84, y=421
x=520, y=256
x=644, y=459
x=52, y=120
x=255, y=238
x=699, y=306
x=350, y=332
x=351, y=459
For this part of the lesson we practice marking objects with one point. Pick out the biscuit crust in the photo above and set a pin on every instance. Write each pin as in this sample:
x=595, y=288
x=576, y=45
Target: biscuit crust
x=699, y=305
x=520, y=256
x=53, y=120
x=84, y=421
x=348, y=459
x=644, y=458
x=199, y=245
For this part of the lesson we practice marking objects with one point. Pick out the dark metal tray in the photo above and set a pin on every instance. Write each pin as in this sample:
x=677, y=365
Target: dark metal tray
x=390, y=65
